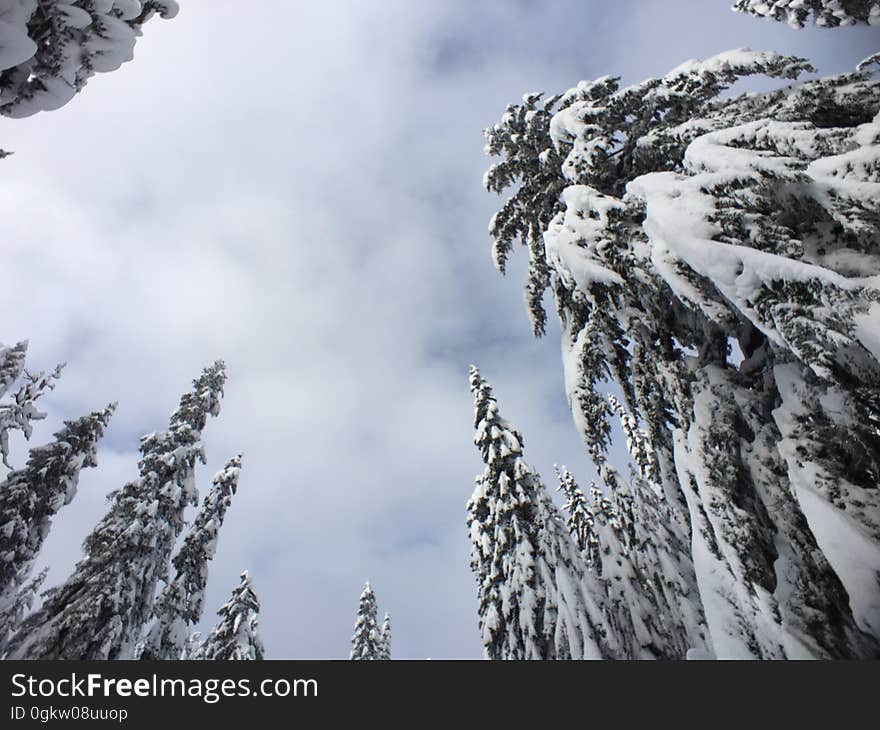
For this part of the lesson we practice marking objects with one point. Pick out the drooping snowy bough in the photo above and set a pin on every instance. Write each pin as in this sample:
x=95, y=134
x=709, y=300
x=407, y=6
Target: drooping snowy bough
x=825, y=13
x=718, y=258
x=50, y=48
x=30, y=497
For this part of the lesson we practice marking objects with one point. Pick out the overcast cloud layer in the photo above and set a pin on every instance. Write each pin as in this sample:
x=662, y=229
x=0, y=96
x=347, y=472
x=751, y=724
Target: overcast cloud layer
x=296, y=188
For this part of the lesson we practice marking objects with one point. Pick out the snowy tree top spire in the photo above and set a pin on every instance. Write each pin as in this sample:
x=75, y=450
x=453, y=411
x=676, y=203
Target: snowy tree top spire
x=530, y=577
x=235, y=637
x=203, y=399
x=385, y=638
x=495, y=437
x=366, y=641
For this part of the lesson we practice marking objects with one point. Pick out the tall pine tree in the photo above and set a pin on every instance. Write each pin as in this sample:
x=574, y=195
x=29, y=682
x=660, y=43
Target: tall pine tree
x=536, y=598
x=180, y=604
x=100, y=611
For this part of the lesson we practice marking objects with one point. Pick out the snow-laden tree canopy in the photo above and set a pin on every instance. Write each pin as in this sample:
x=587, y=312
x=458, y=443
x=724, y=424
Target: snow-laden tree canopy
x=50, y=48
x=825, y=13
x=717, y=259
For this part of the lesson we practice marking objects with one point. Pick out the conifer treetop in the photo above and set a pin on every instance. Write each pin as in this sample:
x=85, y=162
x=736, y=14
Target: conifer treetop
x=385, y=638
x=366, y=641
x=235, y=637
x=532, y=582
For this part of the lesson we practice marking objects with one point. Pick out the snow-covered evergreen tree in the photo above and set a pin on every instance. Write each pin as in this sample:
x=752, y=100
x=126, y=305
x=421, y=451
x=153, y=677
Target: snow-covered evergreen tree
x=12, y=614
x=536, y=598
x=366, y=643
x=180, y=604
x=235, y=637
x=682, y=224
x=31, y=496
x=825, y=13
x=385, y=639
x=99, y=612
x=50, y=48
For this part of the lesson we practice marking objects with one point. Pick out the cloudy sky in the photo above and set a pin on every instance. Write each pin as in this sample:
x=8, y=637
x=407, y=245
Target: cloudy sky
x=296, y=188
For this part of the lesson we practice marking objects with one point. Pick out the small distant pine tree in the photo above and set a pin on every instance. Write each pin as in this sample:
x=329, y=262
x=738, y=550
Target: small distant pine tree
x=385, y=638
x=366, y=643
x=235, y=637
